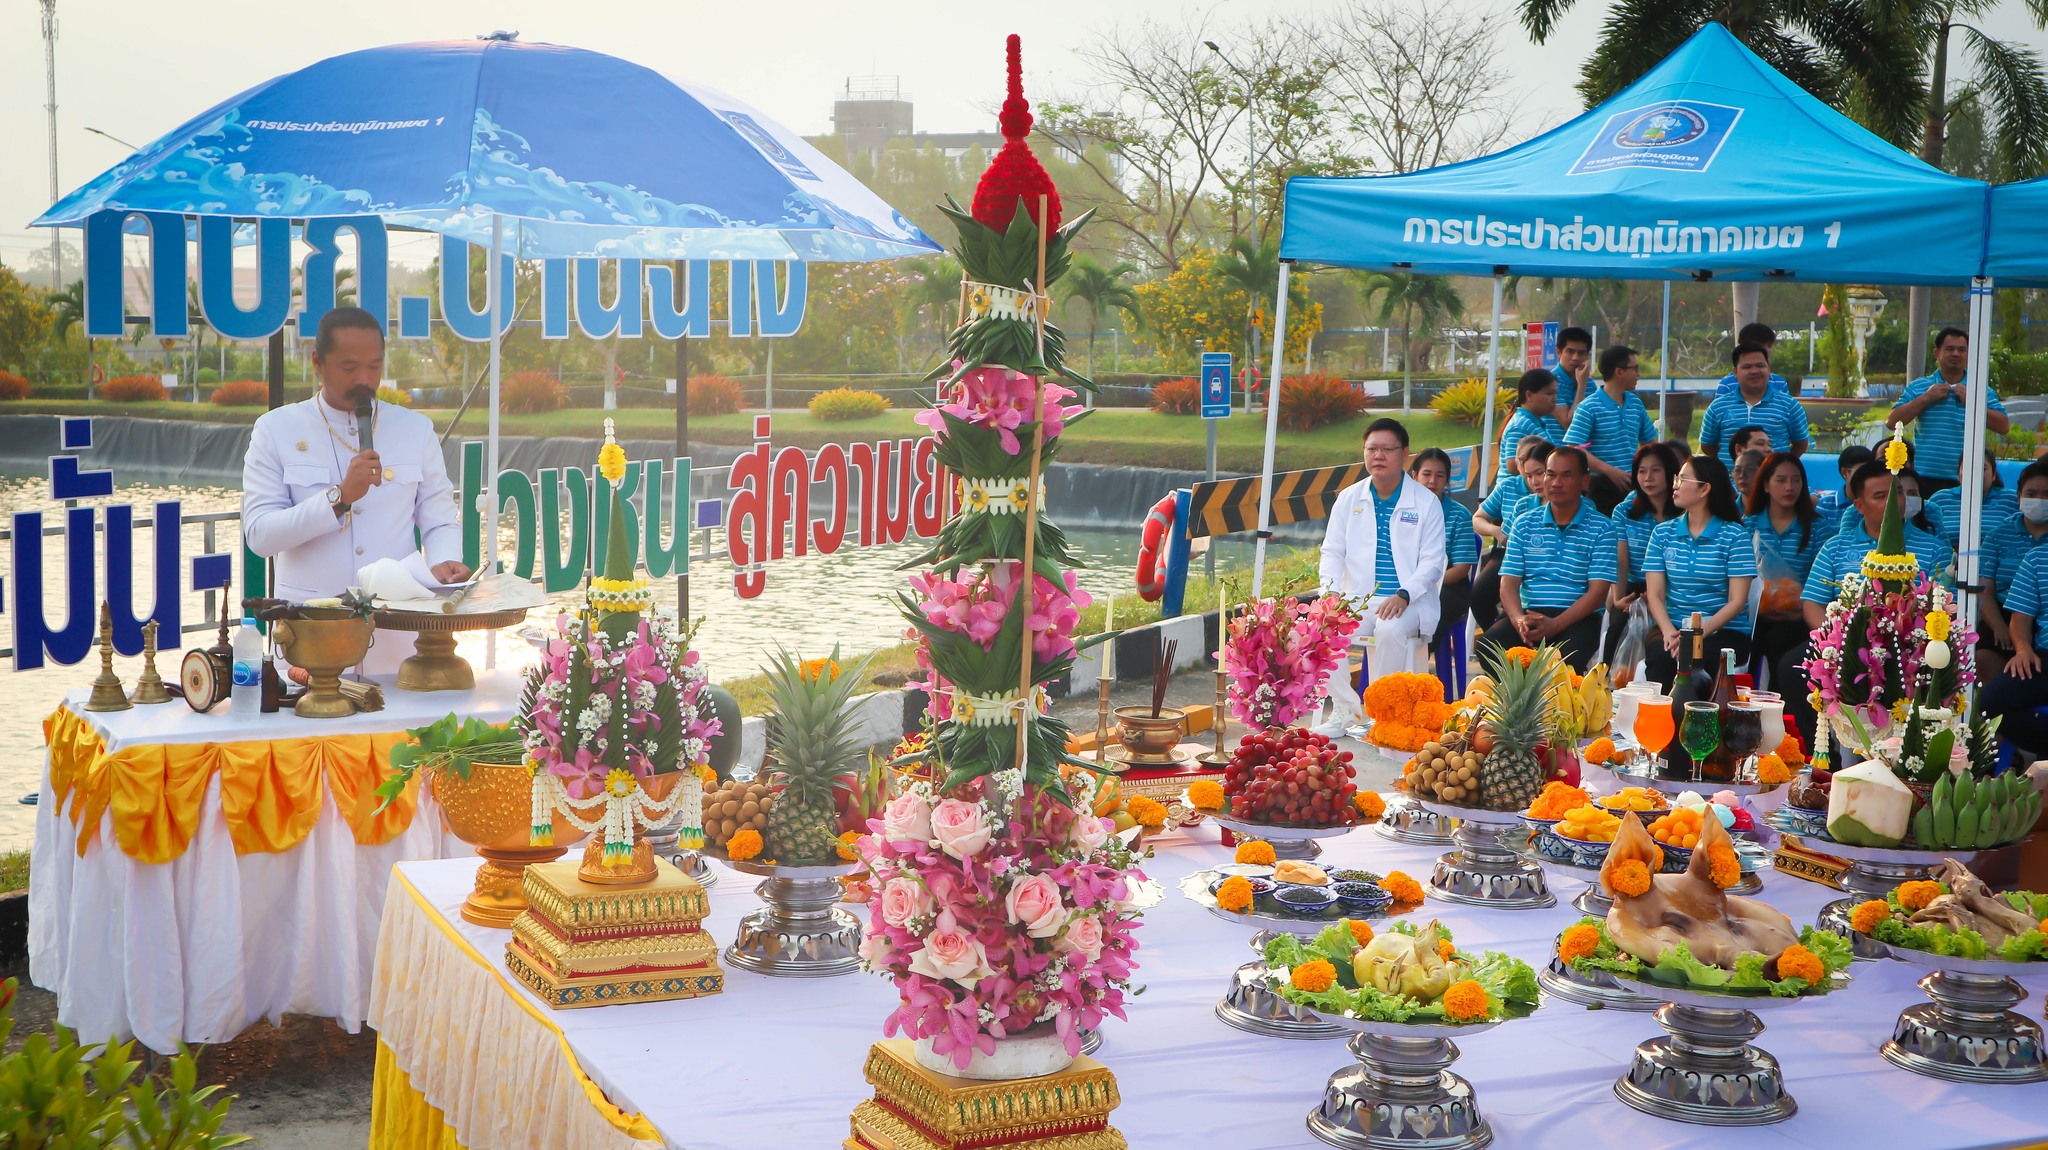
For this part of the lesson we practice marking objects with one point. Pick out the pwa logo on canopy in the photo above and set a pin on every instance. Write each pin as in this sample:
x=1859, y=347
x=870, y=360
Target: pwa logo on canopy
x=1675, y=135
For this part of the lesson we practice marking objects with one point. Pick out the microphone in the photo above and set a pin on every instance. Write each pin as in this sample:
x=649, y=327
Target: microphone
x=366, y=414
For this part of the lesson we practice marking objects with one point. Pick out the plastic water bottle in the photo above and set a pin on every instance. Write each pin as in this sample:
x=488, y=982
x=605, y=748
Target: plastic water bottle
x=246, y=695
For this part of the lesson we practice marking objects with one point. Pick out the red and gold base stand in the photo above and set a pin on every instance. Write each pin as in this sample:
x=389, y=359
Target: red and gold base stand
x=918, y=1109
x=580, y=944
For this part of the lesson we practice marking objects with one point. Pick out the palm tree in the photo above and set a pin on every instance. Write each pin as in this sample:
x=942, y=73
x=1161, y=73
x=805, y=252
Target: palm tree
x=69, y=308
x=934, y=287
x=1253, y=268
x=1430, y=298
x=1100, y=288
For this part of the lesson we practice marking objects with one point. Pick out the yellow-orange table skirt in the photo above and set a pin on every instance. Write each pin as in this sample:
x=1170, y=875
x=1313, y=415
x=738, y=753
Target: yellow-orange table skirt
x=271, y=791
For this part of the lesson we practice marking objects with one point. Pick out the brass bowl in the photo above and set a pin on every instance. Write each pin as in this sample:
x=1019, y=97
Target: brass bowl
x=1150, y=739
x=492, y=810
x=324, y=642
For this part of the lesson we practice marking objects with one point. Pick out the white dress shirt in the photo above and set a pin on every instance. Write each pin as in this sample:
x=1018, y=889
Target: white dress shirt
x=1351, y=547
x=300, y=452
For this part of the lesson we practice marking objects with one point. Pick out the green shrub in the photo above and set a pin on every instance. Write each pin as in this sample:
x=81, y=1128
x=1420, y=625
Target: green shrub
x=846, y=403
x=1177, y=397
x=1466, y=403
x=1310, y=401
x=715, y=395
x=2018, y=374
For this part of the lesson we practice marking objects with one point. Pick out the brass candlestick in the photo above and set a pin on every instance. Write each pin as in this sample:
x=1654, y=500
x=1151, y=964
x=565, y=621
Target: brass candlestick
x=107, y=694
x=1219, y=758
x=150, y=687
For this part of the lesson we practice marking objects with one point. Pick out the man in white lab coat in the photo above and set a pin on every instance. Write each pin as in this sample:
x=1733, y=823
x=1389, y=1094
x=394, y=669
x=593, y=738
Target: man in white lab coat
x=323, y=496
x=1384, y=552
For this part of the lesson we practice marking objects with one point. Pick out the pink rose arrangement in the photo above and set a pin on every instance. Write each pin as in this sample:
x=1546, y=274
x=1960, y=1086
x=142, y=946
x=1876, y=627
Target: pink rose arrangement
x=1281, y=651
x=995, y=914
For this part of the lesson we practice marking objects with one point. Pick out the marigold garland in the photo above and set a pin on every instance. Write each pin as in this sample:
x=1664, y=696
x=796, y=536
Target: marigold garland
x=1917, y=894
x=1206, y=795
x=1631, y=878
x=1895, y=455
x=1145, y=812
x=1600, y=751
x=744, y=845
x=1235, y=894
x=1314, y=976
x=1799, y=962
x=1771, y=770
x=1867, y=915
x=1465, y=1001
x=1361, y=932
x=1370, y=805
x=1255, y=852
x=1723, y=868
x=1577, y=942
x=846, y=841
x=1403, y=888
x=611, y=462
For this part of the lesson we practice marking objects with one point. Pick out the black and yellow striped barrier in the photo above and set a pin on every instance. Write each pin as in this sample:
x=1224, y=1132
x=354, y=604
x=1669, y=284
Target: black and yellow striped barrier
x=1227, y=506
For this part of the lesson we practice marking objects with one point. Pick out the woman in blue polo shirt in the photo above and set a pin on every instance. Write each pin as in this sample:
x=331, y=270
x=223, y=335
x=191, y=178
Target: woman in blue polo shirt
x=1491, y=521
x=1635, y=517
x=1535, y=403
x=1789, y=532
x=1945, y=506
x=2007, y=543
x=1431, y=467
x=1700, y=563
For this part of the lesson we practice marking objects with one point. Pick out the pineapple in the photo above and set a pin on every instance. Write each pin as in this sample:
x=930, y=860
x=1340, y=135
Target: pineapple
x=812, y=745
x=1511, y=775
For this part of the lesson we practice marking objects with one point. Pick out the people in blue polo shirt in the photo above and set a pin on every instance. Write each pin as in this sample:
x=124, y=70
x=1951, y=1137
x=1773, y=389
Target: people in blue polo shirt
x=1610, y=422
x=1754, y=403
x=2007, y=544
x=1431, y=467
x=1843, y=555
x=1831, y=504
x=1534, y=414
x=1559, y=566
x=1935, y=406
x=2000, y=504
x=1789, y=535
x=1757, y=333
x=1700, y=563
x=2017, y=695
x=1574, y=371
x=1491, y=523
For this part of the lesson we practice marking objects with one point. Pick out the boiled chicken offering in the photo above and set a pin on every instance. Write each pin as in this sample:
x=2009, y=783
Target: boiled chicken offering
x=1646, y=919
x=1970, y=905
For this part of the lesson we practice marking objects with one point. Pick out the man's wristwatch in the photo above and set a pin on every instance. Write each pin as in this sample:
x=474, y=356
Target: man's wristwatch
x=335, y=501
x=1405, y=597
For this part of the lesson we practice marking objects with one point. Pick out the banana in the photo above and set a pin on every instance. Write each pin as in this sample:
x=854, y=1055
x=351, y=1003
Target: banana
x=1923, y=826
x=1944, y=817
x=1966, y=829
x=1966, y=790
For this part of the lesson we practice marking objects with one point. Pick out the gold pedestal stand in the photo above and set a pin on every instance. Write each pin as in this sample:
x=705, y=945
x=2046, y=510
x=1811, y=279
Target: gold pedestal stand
x=918, y=1109
x=579, y=944
x=1219, y=758
x=433, y=664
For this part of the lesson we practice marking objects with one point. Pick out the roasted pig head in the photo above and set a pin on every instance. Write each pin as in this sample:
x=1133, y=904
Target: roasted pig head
x=1687, y=907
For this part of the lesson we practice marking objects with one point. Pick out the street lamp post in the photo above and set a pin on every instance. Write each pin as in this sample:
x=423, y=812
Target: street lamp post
x=50, y=80
x=1251, y=177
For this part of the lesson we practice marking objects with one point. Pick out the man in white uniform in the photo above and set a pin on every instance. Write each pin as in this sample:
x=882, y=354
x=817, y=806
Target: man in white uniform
x=320, y=504
x=1385, y=551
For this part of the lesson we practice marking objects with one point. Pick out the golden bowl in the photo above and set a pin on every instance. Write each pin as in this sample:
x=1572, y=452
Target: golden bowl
x=492, y=810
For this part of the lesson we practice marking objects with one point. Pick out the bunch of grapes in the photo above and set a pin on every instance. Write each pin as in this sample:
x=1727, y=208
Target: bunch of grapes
x=1290, y=778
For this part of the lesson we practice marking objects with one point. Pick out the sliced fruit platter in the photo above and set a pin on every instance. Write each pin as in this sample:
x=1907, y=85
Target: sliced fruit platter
x=1580, y=835
x=1399, y=972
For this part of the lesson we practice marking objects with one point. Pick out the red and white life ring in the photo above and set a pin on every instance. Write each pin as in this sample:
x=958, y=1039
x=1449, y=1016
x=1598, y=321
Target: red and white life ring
x=1151, y=572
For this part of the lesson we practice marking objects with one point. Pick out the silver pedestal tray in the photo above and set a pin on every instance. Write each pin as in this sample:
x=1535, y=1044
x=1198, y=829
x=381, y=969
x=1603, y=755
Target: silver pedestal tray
x=1249, y=1004
x=801, y=933
x=1287, y=842
x=1705, y=1071
x=1629, y=778
x=1482, y=871
x=1873, y=873
x=1402, y=1094
x=664, y=837
x=1406, y=822
x=1562, y=982
x=1969, y=1033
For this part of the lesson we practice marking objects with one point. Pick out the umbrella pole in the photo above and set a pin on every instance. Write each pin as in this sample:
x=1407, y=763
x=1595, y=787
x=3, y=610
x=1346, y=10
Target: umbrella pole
x=1492, y=381
x=1272, y=435
x=1664, y=366
x=683, y=508
x=490, y=484
x=1975, y=408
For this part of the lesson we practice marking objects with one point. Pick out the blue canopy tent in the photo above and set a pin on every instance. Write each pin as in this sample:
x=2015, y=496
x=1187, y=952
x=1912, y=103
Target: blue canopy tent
x=583, y=154
x=1712, y=166
x=2017, y=254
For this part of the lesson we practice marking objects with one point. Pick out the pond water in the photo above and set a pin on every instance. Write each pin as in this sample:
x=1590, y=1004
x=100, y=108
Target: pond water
x=809, y=604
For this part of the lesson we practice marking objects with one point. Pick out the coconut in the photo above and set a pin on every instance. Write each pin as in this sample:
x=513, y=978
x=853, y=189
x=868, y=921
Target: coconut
x=1868, y=806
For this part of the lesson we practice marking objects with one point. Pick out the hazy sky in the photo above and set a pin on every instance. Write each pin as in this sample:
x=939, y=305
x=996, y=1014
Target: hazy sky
x=136, y=69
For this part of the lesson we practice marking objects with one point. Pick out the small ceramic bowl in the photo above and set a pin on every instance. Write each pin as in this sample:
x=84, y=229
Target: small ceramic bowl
x=1305, y=900
x=1362, y=896
x=1675, y=858
x=1801, y=821
x=1261, y=886
x=1539, y=824
x=1339, y=874
x=1573, y=852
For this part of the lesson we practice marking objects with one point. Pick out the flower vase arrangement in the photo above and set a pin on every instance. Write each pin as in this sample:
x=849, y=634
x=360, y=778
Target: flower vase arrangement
x=1003, y=906
x=618, y=722
x=1280, y=652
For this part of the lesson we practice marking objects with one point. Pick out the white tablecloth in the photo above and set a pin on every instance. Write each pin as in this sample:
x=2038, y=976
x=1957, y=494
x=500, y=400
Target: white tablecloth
x=777, y=1062
x=199, y=948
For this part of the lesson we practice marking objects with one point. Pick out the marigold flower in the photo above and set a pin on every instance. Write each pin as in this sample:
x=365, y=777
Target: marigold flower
x=1916, y=895
x=1798, y=962
x=1465, y=1001
x=1145, y=812
x=846, y=841
x=1206, y=795
x=1938, y=624
x=817, y=670
x=1722, y=866
x=1523, y=655
x=1314, y=976
x=1255, y=852
x=1867, y=915
x=1600, y=751
x=744, y=845
x=1235, y=894
x=1370, y=805
x=1630, y=879
x=1361, y=931
x=1445, y=950
x=1577, y=942
x=1403, y=888
x=1771, y=770
x=1790, y=751
x=611, y=462
x=1895, y=455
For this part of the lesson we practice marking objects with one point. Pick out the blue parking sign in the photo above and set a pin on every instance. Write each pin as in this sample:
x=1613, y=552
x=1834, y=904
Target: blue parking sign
x=1215, y=385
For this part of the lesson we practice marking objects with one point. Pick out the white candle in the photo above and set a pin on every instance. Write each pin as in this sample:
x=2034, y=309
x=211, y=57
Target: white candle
x=1108, y=648
x=1222, y=632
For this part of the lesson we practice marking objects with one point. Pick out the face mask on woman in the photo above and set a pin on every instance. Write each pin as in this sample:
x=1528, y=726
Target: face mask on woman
x=1913, y=506
x=2036, y=510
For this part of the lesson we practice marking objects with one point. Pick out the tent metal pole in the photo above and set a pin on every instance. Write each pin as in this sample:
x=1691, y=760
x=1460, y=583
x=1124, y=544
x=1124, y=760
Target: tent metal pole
x=1974, y=407
x=1664, y=365
x=489, y=493
x=1272, y=436
x=1492, y=382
